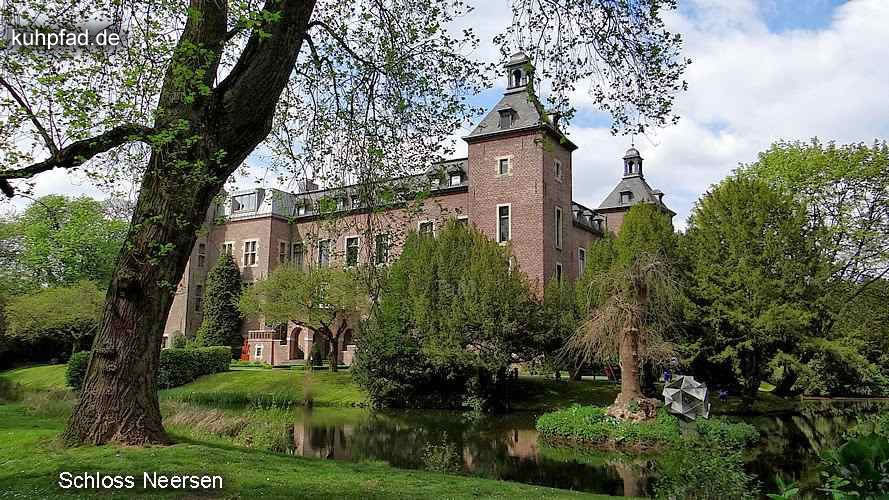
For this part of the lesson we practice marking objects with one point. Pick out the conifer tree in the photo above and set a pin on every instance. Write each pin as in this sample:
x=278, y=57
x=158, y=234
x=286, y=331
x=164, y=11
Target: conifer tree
x=222, y=292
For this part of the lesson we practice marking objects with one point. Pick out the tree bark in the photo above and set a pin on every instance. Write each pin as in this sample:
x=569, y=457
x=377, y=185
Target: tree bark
x=630, y=388
x=118, y=401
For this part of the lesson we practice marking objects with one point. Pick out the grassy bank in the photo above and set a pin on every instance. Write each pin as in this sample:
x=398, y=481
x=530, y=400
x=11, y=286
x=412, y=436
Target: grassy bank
x=32, y=460
x=591, y=425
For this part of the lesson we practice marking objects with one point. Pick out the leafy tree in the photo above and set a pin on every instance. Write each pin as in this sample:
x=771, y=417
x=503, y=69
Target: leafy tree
x=60, y=241
x=753, y=263
x=630, y=293
x=221, y=323
x=561, y=316
x=452, y=313
x=325, y=299
x=364, y=90
x=55, y=320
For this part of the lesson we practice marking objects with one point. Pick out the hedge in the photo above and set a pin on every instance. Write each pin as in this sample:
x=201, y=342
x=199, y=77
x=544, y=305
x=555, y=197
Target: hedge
x=177, y=366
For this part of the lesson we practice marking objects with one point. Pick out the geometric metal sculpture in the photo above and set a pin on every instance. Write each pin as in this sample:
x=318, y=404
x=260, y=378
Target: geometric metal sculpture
x=685, y=396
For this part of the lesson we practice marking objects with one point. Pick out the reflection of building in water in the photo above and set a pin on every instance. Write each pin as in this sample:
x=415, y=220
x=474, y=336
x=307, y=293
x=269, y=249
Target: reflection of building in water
x=332, y=442
x=523, y=443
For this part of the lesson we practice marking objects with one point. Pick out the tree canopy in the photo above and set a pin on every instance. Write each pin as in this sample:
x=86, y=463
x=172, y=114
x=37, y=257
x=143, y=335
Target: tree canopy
x=221, y=321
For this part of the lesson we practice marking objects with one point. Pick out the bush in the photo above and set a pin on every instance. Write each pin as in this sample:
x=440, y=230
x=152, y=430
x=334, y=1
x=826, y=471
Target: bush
x=693, y=473
x=181, y=366
x=727, y=433
x=76, y=369
x=179, y=340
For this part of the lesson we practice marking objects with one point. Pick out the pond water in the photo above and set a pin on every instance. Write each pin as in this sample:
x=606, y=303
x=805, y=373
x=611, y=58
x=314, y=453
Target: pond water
x=506, y=447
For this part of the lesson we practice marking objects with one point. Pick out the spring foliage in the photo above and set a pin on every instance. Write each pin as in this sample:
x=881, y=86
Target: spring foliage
x=221, y=324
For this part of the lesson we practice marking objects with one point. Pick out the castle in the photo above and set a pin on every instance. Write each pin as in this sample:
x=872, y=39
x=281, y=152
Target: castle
x=515, y=186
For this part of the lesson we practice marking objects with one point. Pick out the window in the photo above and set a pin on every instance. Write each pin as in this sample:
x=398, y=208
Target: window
x=455, y=180
x=165, y=342
x=250, y=252
x=626, y=197
x=228, y=247
x=581, y=261
x=381, y=250
x=558, y=272
x=202, y=254
x=257, y=352
x=558, y=228
x=462, y=220
x=505, y=118
x=244, y=202
x=323, y=253
x=352, y=251
x=282, y=252
x=503, y=223
x=297, y=250
x=557, y=170
x=356, y=201
x=426, y=228
x=198, y=297
x=300, y=210
x=503, y=166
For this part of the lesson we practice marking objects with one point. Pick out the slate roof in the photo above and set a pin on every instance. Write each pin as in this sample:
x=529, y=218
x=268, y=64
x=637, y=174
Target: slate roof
x=642, y=193
x=525, y=117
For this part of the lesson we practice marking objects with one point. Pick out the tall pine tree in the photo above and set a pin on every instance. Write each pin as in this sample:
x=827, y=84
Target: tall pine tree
x=222, y=319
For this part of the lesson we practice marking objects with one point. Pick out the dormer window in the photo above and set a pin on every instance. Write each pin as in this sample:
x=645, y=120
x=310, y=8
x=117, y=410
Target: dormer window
x=356, y=201
x=517, y=79
x=455, y=180
x=626, y=197
x=300, y=210
x=506, y=118
x=244, y=202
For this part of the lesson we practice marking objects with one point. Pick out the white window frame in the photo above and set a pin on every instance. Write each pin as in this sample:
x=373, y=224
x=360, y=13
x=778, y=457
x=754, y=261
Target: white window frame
x=581, y=260
x=318, y=246
x=508, y=166
x=346, y=250
x=509, y=225
x=557, y=169
x=559, y=272
x=229, y=247
x=462, y=218
x=457, y=176
x=257, y=351
x=559, y=222
x=302, y=246
x=286, y=253
x=255, y=252
x=202, y=256
x=426, y=221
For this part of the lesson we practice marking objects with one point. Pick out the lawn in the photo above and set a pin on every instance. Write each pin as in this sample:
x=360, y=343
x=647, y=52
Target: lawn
x=32, y=460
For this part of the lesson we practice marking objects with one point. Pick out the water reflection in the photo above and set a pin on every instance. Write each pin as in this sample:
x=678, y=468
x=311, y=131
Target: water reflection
x=507, y=447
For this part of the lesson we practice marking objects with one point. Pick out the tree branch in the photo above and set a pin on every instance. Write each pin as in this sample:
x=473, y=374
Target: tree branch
x=77, y=153
x=39, y=126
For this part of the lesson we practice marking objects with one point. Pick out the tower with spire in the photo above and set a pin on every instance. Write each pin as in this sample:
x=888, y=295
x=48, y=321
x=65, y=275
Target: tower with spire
x=631, y=189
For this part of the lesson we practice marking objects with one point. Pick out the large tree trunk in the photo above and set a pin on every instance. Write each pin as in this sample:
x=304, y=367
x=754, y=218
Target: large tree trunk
x=118, y=401
x=630, y=388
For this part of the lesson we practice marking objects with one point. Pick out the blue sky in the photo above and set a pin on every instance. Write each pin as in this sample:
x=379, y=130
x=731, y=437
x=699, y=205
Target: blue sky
x=762, y=71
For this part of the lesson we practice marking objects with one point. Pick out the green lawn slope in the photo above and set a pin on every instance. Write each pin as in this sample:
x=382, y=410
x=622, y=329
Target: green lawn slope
x=32, y=459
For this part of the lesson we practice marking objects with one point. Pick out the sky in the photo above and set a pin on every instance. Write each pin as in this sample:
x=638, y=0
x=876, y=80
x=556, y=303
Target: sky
x=762, y=71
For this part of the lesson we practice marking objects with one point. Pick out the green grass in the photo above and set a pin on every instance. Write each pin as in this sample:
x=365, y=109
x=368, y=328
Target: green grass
x=38, y=378
x=32, y=458
x=539, y=393
x=590, y=425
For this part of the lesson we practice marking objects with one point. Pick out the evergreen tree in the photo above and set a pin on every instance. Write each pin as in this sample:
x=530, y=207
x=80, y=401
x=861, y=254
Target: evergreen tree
x=221, y=324
x=753, y=266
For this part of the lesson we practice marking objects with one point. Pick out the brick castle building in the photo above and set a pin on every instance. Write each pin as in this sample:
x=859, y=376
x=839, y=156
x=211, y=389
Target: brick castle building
x=515, y=186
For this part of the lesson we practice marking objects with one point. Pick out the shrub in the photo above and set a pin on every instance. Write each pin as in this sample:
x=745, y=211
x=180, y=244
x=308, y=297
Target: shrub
x=76, y=369
x=181, y=366
x=179, y=340
x=694, y=473
x=727, y=433
x=858, y=468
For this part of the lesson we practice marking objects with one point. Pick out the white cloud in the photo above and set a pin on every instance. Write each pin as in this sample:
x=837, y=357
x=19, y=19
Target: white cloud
x=749, y=87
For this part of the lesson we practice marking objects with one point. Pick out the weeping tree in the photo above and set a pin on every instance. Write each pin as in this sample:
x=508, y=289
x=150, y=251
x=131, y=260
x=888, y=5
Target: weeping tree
x=629, y=324
x=197, y=86
x=630, y=296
